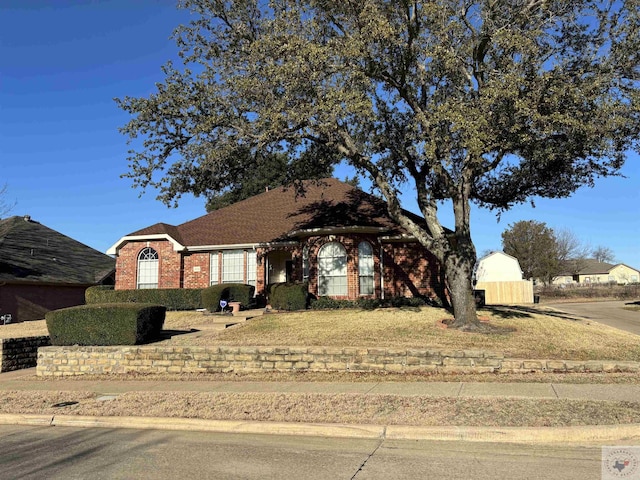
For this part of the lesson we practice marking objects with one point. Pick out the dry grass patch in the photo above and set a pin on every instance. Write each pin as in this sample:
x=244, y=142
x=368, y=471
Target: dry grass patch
x=535, y=334
x=330, y=408
x=35, y=328
x=622, y=378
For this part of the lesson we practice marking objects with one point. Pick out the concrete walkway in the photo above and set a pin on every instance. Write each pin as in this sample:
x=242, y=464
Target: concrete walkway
x=25, y=380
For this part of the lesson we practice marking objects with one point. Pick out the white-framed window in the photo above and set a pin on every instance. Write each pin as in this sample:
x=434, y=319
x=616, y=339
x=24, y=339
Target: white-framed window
x=332, y=270
x=365, y=268
x=148, y=263
x=233, y=266
x=214, y=274
x=252, y=264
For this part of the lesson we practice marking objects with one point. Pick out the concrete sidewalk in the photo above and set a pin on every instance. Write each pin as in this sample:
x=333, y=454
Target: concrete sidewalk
x=25, y=380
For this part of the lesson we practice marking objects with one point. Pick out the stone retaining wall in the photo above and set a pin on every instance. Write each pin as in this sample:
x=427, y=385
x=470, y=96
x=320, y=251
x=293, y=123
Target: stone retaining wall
x=64, y=361
x=18, y=353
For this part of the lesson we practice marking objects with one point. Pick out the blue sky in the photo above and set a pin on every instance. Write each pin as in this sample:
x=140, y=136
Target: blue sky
x=61, y=154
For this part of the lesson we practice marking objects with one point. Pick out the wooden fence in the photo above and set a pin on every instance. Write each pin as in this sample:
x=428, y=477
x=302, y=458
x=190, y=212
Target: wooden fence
x=500, y=293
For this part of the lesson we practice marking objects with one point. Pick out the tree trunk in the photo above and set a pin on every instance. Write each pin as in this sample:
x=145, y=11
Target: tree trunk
x=459, y=272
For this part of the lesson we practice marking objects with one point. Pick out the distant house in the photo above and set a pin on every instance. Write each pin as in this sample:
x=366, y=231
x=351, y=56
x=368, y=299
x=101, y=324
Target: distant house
x=337, y=238
x=43, y=270
x=499, y=277
x=591, y=271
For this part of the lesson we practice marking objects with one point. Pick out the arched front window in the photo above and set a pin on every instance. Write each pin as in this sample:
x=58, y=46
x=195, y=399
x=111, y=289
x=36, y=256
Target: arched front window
x=332, y=270
x=148, y=268
x=365, y=268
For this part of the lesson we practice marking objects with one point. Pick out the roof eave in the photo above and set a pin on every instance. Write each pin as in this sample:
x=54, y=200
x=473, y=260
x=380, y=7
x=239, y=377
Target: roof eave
x=306, y=232
x=115, y=248
x=398, y=238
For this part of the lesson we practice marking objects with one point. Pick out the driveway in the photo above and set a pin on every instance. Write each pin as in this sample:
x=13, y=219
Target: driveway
x=608, y=313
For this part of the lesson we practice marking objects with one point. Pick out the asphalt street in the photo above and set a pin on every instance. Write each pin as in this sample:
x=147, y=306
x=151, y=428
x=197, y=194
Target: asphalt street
x=80, y=453
x=608, y=313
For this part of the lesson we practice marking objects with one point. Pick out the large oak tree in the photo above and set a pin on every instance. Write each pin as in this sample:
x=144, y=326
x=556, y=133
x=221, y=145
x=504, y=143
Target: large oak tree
x=492, y=102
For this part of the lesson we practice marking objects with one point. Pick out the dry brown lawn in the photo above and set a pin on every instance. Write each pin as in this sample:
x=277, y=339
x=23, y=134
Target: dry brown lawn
x=24, y=329
x=330, y=408
x=534, y=333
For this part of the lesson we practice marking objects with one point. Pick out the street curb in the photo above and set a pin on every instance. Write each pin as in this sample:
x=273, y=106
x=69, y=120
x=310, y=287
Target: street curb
x=596, y=433
x=223, y=426
x=529, y=435
x=26, y=419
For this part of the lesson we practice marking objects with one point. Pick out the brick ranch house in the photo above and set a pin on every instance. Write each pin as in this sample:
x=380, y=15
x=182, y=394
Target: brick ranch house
x=336, y=237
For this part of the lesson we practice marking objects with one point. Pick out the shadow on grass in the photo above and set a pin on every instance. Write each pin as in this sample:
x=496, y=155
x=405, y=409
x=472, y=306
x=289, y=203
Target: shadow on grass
x=519, y=311
x=169, y=334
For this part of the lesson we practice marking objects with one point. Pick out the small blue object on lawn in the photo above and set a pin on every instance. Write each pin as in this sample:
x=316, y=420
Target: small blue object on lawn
x=223, y=304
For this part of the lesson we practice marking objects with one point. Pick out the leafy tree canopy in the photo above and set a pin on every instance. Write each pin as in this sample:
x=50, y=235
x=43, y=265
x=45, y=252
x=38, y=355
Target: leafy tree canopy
x=534, y=245
x=251, y=173
x=544, y=253
x=492, y=102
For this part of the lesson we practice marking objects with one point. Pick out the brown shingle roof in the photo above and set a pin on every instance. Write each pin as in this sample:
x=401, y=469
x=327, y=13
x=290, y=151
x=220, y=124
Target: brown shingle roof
x=161, y=228
x=273, y=215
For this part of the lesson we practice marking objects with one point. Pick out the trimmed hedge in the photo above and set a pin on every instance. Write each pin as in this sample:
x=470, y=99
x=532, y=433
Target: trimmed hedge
x=327, y=303
x=172, y=298
x=231, y=292
x=105, y=324
x=289, y=296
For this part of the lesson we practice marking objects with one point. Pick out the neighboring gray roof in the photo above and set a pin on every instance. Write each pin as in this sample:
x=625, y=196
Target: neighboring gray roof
x=590, y=266
x=593, y=267
x=31, y=252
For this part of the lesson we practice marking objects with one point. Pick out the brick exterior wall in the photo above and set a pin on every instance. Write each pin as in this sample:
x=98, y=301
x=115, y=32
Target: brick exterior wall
x=197, y=267
x=19, y=353
x=27, y=302
x=68, y=361
x=170, y=267
x=409, y=270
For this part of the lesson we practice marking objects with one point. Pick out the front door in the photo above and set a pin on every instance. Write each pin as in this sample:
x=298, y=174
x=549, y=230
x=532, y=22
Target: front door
x=279, y=266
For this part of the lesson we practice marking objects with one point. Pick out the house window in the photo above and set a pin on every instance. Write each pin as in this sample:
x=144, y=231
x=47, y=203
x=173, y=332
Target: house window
x=234, y=269
x=251, y=268
x=233, y=266
x=215, y=270
x=365, y=268
x=332, y=270
x=634, y=278
x=305, y=263
x=148, y=268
